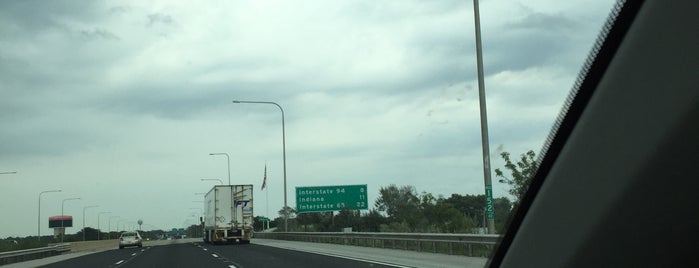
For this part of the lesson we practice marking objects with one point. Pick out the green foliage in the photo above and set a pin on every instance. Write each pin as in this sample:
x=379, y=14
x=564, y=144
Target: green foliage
x=401, y=209
x=443, y=217
x=20, y=243
x=521, y=173
x=372, y=221
x=402, y=204
x=287, y=212
x=503, y=209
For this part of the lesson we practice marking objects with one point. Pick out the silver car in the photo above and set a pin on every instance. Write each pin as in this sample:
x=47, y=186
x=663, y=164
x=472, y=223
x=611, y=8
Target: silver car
x=128, y=239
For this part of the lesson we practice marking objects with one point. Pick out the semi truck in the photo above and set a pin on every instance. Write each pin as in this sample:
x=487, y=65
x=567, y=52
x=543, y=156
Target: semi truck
x=228, y=216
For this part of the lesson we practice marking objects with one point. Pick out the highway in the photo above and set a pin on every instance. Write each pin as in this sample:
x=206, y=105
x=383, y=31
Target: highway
x=261, y=253
x=204, y=255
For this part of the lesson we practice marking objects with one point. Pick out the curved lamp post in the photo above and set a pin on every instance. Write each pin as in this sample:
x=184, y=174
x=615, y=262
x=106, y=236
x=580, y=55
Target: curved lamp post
x=229, y=165
x=98, y=223
x=38, y=221
x=62, y=220
x=84, y=208
x=109, y=228
x=286, y=215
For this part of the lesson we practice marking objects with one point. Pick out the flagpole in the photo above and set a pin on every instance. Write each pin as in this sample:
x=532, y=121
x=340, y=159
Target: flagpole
x=267, y=196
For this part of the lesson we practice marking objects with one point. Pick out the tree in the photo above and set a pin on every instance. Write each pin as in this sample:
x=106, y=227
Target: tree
x=503, y=208
x=348, y=219
x=521, y=173
x=443, y=217
x=401, y=204
x=308, y=218
x=287, y=213
x=371, y=221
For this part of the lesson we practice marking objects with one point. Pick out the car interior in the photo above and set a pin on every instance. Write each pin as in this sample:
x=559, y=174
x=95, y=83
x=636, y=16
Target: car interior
x=617, y=185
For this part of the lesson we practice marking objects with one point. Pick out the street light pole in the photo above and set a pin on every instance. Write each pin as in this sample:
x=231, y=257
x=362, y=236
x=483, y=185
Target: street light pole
x=38, y=221
x=8, y=172
x=229, y=165
x=98, y=223
x=84, y=208
x=62, y=220
x=484, y=123
x=213, y=180
x=286, y=213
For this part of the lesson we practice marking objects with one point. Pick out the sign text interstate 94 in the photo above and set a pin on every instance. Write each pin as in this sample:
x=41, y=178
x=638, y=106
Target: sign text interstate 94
x=331, y=198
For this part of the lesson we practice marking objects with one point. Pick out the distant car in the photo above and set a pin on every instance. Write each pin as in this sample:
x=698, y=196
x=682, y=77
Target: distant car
x=129, y=239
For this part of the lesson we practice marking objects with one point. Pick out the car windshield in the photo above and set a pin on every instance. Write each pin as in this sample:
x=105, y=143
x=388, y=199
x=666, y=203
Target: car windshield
x=343, y=123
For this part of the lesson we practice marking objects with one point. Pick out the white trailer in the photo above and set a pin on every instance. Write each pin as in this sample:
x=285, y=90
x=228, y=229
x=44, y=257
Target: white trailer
x=228, y=214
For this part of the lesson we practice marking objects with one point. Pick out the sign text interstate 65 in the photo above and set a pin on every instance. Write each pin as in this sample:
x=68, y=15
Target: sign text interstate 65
x=331, y=198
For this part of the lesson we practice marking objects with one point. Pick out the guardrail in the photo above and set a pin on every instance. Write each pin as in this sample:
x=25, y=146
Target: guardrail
x=33, y=253
x=480, y=245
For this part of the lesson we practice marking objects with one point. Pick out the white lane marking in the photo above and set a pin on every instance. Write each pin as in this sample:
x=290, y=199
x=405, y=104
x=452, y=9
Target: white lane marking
x=134, y=254
x=232, y=266
x=215, y=256
x=359, y=259
x=119, y=262
x=205, y=249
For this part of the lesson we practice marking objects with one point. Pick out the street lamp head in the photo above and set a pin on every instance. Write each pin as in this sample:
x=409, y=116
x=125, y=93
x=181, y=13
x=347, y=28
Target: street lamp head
x=236, y=101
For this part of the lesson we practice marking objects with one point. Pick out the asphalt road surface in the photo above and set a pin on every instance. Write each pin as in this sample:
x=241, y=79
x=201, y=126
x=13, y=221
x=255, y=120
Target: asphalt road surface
x=204, y=255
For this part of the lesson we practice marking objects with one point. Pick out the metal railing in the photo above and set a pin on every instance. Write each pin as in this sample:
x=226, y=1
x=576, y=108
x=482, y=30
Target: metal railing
x=480, y=245
x=34, y=253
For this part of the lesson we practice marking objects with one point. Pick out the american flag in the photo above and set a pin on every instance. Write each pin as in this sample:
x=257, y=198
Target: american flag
x=264, y=179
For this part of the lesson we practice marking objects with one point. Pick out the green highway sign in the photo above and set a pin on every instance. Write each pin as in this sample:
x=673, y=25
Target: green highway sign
x=264, y=219
x=331, y=198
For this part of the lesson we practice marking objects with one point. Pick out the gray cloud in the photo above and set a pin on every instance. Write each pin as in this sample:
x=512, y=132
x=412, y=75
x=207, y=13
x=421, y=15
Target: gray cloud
x=159, y=18
x=98, y=34
x=95, y=96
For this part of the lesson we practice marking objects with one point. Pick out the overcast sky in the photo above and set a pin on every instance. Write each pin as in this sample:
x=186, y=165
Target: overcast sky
x=120, y=103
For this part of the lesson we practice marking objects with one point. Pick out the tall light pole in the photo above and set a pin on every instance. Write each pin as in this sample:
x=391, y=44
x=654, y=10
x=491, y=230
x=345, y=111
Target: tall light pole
x=109, y=227
x=38, y=221
x=484, y=123
x=84, y=208
x=63, y=220
x=229, y=165
x=98, y=223
x=213, y=180
x=286, y=214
